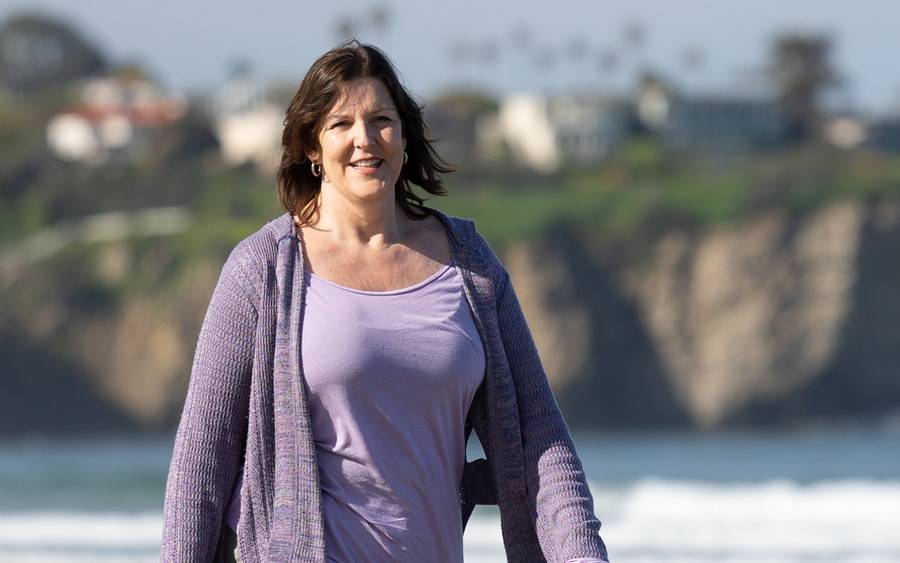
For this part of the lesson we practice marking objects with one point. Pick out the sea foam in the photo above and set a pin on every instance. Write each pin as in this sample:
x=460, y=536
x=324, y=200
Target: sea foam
x=843, y=521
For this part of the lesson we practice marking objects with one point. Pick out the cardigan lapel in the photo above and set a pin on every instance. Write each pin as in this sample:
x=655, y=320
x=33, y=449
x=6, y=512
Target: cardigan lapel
x=297, y=527
x=502, y=439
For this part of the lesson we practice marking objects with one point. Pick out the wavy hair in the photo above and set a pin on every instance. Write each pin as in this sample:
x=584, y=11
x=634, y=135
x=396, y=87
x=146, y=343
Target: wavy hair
x=298, y=189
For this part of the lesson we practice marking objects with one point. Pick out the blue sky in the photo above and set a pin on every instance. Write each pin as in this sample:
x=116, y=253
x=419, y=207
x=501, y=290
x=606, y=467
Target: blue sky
x=190, y=43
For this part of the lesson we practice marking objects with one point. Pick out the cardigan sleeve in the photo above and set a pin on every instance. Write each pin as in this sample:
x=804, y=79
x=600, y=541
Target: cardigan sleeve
x=557, y=488
x=209, y=442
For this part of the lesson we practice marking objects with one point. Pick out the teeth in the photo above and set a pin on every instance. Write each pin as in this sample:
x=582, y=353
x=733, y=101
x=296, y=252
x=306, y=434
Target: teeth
x=370, y=162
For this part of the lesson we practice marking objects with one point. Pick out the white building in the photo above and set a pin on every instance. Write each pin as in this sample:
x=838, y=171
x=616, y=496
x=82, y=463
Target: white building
x=544, y=133
x=248, y=125
x=111, y=117
x=710, y=120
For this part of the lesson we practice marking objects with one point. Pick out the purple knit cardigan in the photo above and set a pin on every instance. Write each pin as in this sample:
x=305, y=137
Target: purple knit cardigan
x=246, y=402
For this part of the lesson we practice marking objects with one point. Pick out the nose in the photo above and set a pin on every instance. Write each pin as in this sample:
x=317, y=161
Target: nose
x=362, y=134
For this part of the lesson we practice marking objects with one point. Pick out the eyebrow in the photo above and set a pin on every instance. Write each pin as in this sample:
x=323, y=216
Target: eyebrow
x=345, y=115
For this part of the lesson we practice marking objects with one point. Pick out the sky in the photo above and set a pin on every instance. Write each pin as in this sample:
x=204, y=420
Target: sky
x=190, y=44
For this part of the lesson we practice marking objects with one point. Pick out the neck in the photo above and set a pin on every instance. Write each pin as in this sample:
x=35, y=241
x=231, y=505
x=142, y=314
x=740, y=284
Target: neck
x=373, y=224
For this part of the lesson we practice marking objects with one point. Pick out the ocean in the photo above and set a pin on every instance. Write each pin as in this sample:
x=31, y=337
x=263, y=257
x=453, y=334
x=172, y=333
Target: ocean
x=824, y=495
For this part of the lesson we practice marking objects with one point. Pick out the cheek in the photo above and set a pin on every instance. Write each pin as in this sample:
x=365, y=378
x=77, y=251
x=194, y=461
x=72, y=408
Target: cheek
x=393, y=137
x=334, y=145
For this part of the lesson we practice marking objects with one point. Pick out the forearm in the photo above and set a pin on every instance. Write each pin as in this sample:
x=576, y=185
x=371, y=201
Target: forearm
x=210, y=437
x=557, y=487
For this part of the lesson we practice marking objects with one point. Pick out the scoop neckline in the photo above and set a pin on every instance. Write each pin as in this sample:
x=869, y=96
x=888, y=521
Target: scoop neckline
x=419, y=284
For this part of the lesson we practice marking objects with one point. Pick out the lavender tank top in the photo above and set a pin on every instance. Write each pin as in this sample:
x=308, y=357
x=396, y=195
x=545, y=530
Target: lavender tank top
x=390, y=377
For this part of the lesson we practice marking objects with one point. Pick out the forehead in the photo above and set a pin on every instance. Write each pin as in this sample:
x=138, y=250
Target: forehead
x=362, y=94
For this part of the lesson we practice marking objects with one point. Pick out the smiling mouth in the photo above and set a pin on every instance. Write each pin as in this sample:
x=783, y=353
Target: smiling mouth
x=367, y=163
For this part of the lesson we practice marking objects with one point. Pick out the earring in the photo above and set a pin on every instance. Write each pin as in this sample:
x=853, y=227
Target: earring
x=405, y=157
x=316, y=169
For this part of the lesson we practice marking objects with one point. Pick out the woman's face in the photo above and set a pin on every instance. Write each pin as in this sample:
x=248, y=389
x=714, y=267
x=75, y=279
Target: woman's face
x=361, y=142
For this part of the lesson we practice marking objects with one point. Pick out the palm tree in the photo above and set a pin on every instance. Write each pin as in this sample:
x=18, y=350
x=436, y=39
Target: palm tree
x=521, y=37
x=607, y=61
x=693, y=58
x=344, y=28
x=634, y=39
x=634, y=35
x=380, y=18
x=802, y=69
x=487, y=51
x=576, y=48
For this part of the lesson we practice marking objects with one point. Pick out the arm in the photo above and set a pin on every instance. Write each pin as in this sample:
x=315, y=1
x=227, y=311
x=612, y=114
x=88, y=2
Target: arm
x=557, y=489
x=210, y=438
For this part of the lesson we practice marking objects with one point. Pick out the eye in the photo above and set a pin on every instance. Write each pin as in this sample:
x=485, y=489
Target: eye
x=384, y=119
x=342, y=123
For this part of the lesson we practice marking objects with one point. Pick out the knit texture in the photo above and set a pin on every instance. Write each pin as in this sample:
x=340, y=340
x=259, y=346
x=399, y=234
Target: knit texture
x=246, y=402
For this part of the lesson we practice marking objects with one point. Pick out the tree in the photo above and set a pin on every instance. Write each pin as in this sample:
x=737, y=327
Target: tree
x=693, y=57
x=344, y=28
x=38, y=52
x=802, y=71
x=380, y=18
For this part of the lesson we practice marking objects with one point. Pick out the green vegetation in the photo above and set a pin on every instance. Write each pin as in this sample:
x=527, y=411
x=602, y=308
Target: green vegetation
x=635, y=195
x=643, y=191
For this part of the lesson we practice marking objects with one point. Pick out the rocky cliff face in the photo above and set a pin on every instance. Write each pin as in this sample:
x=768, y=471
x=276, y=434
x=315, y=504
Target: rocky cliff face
x=78, y=360
x=775, y=320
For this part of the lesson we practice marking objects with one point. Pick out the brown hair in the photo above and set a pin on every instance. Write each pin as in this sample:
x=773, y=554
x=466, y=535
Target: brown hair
x=323, y=84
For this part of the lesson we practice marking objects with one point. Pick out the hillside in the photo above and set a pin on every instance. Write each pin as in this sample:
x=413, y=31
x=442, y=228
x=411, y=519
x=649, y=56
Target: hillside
x=662, y=288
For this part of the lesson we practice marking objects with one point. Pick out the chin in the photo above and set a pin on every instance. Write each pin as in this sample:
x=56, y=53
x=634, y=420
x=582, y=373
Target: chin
x=374, y=192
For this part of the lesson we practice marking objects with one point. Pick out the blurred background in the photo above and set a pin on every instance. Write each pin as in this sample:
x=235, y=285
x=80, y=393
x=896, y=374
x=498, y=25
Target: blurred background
x=698, y=202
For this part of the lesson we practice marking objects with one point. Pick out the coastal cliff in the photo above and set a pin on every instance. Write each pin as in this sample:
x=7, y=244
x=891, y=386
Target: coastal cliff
x=777, y=319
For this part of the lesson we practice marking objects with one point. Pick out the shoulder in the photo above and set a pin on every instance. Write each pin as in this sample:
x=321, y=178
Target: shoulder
x=265, y=240
x=251, y=258
x=457, y=227
x=470, y=247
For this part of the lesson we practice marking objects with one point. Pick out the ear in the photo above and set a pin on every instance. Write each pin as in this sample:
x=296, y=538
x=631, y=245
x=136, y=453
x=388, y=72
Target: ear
x=312, y=156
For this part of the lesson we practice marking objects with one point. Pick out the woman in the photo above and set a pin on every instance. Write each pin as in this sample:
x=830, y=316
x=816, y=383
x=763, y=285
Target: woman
x=349, y=348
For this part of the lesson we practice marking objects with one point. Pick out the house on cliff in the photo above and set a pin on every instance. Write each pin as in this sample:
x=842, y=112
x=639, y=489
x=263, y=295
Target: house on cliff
x=855, y=131
x=884, y=134
x=709, y=121
x=115, y=118
x=247, y=123
x=544, y=133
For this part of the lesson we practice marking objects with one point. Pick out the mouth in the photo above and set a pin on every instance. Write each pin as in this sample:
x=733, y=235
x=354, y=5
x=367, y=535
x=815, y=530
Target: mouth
x=367, y=165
